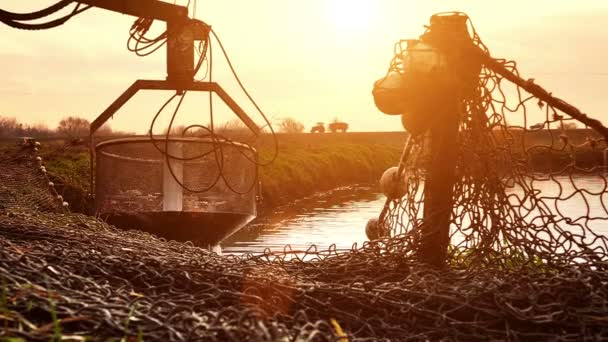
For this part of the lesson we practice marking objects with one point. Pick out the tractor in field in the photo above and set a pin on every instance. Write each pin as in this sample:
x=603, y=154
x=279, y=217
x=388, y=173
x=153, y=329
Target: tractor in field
x=318, y=128
x=338, y=126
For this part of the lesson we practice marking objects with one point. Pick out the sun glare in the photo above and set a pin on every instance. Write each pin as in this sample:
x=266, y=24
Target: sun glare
x=352, y=15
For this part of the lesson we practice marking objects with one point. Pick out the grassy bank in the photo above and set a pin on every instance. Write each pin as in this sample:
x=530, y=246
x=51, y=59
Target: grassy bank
x=306, y=164
x=301, y=171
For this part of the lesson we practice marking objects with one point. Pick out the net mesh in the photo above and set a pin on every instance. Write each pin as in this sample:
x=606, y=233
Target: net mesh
x=24, y=182
x=523, y=265
x=136, y=175
x=187, y=189
x=534, y=192
x=65, y=275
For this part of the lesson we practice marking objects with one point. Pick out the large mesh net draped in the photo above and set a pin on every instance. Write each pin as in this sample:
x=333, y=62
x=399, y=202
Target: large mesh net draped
x=69, y=275
x=524, y=265
x=24, y=182
x=528, y=185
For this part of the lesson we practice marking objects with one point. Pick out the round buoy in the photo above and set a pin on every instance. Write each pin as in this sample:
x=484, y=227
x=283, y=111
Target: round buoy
x=375, y=230
x=391, y=185
x=388, y=94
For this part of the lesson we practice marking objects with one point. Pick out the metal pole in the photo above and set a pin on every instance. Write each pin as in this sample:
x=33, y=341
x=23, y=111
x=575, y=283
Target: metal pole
x=540, y=93
x=439, y=188
x=450, y=36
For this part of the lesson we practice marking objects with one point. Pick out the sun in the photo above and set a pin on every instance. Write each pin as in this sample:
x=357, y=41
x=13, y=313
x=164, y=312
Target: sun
x=352, y=16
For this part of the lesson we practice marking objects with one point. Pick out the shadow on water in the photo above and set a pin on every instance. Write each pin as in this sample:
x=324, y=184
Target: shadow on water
x=338, y=216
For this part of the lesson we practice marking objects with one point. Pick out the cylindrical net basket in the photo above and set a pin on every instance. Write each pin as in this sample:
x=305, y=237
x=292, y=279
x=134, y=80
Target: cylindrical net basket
x=193, y=189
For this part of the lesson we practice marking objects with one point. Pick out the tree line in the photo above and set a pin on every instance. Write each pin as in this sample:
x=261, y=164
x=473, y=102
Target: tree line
x=74, y=127
x=70, y=127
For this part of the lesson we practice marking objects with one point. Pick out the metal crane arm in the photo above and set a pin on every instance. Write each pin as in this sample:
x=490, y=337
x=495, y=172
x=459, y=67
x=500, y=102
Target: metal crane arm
x=150, y=9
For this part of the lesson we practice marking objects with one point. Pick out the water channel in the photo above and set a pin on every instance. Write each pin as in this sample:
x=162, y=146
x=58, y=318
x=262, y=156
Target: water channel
x=339, y=216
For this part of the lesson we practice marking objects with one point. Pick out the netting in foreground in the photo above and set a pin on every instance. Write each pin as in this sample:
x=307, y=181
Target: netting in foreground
x=520, y=268
x=71, y=275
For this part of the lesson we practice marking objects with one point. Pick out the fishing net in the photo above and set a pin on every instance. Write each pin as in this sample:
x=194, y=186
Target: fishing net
x=528, y=186
x=24, y=182
x=69, y=275
x=521, y=266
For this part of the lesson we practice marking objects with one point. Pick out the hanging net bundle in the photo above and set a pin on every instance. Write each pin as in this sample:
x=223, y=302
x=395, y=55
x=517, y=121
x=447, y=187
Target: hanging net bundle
x=527, y=186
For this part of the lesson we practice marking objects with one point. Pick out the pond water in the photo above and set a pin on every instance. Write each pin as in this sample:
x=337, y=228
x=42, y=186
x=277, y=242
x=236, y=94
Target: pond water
x=339, y=217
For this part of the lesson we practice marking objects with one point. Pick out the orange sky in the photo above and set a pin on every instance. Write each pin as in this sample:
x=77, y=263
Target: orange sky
x=313, y=60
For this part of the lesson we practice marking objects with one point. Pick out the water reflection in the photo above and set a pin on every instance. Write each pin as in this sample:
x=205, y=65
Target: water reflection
x=340, y=216
x=336, y=217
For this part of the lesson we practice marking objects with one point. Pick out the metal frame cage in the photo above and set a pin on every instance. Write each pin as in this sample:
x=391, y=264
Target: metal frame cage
x=181, y=188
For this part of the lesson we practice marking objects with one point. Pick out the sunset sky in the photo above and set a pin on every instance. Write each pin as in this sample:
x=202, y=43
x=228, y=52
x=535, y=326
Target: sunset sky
x=312, y=60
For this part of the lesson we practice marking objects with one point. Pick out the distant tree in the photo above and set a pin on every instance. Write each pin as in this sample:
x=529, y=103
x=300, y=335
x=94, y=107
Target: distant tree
x=73, y=127
x=8, y=127
x=291, y=125
x=104, y=131
x=11, y=128
x=38, y=130
x=235, y=129
x=570, y=125
x=232, y=126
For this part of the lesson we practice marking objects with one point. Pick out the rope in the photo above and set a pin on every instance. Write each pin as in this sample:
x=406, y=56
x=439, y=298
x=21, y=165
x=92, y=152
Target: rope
x=16, y=23
x=36, y=14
